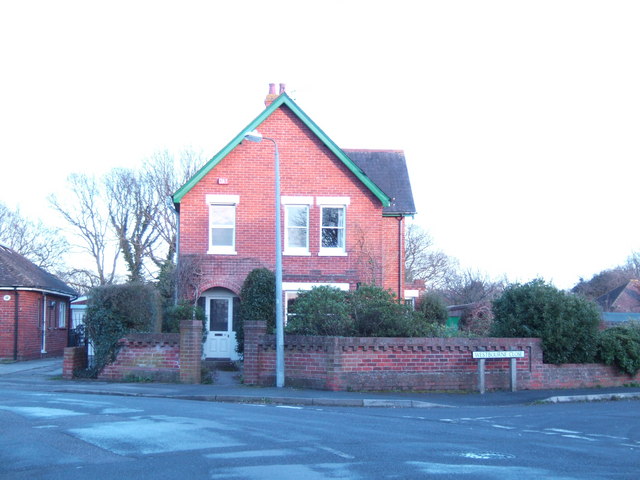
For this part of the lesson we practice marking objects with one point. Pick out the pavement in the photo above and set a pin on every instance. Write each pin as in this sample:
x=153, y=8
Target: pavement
x=46, y=374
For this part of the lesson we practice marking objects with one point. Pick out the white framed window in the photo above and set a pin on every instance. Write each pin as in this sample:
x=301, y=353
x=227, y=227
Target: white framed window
x=296, y=221
x=332, y=230
x=222, y=223
x=62, y=315
x=296, y=234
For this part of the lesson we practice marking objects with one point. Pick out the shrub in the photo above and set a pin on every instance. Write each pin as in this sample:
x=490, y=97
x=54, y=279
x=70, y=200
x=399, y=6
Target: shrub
x=620, y=346
x=376, y=313
x=183, y=311
x=113, y=311
x=369, y=311
x=433, y=309
x=257, y=302
x=321, y=311
x=566, y=323
x=477, y=319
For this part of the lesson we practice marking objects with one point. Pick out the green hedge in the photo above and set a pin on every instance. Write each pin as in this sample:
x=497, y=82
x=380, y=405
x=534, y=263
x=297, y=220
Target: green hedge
x=566, y=323
x=113, y=311
x=369, y=311
x=620, y=346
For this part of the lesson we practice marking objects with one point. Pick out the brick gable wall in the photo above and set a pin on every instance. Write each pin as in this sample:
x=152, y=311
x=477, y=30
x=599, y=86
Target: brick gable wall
x=308, y=168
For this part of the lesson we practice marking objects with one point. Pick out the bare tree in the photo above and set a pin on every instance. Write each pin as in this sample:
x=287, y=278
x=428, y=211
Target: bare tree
x=165, y=176
x=42, y=245
x=471, y=287
x=86, y=214
x=129, y=212
x=132, y=210
x=422, y=262
x=188, y=277
x=633, y=265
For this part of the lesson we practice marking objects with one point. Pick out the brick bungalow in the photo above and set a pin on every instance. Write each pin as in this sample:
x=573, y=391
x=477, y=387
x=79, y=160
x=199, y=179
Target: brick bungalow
x=34, y=309
x=343, y=215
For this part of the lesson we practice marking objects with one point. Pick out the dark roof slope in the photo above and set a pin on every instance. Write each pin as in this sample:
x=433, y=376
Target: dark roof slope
x=625, y=298
x=17, y=271
x=388, y=170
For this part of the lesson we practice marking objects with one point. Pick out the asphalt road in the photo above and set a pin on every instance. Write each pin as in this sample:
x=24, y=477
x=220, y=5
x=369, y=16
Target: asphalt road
x=48, y=435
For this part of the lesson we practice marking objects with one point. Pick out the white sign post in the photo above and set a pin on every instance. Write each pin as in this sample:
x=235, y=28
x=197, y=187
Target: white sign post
x=482, y=356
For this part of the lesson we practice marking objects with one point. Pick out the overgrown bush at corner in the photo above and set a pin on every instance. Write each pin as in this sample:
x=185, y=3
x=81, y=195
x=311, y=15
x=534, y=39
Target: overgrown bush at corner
x=321, y=311
x=566, y=323
x=620, y=346
x=113, y=311
x=257, y=302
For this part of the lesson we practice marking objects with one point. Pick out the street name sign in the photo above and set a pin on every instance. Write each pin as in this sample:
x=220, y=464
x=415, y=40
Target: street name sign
x=499, y=354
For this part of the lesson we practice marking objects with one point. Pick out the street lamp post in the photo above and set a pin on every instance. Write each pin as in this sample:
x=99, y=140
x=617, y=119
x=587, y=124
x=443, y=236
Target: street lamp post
x=256, y=136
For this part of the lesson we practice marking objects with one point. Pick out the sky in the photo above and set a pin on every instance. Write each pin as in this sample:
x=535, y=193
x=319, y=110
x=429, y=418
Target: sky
x=519, y=120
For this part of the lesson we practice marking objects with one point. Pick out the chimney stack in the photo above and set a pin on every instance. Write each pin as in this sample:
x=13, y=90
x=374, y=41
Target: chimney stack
x=271, y=96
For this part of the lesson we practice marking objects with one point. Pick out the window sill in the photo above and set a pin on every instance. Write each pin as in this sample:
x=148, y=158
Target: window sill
x=219, y=251
x=332, y=253
x=296, y=253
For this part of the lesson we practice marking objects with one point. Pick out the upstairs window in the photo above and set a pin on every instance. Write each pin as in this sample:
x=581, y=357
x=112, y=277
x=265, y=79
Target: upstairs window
x=333, y=230
x=222, y=224
x=296, y=224
x=296, y=238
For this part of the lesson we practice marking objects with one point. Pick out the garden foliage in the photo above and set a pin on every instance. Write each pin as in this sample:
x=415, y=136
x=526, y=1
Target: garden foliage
x=369, y=311
x=257, y=302
x=183, y=311
x=113, y=311
x=620, y=346
x=566, y=323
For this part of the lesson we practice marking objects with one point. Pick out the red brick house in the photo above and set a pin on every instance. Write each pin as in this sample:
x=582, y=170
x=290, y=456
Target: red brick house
x=621, y=304
x=34, y=309
x=343, y=215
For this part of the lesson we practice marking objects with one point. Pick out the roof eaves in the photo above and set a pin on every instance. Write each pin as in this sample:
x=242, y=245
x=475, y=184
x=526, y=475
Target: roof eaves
x=283, y=99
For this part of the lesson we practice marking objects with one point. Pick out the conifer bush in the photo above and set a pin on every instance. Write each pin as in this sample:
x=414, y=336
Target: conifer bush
x=257, y=302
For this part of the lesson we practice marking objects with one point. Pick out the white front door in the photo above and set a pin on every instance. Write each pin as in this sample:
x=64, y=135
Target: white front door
x=221, y=339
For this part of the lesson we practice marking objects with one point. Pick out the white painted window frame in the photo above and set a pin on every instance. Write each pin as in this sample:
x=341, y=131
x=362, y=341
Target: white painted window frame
x=214, y=200
x=295, y=201
x=334, y=202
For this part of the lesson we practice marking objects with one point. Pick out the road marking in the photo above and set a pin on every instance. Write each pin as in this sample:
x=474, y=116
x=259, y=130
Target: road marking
x=487, y=456
x=580, y=437
x=503, y=427
x=337, y=452
x=252, y=454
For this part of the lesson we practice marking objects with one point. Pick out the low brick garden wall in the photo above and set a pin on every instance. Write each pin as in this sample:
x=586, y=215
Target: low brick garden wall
x=146, y=356
x=160, y=357
x=355, y=363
